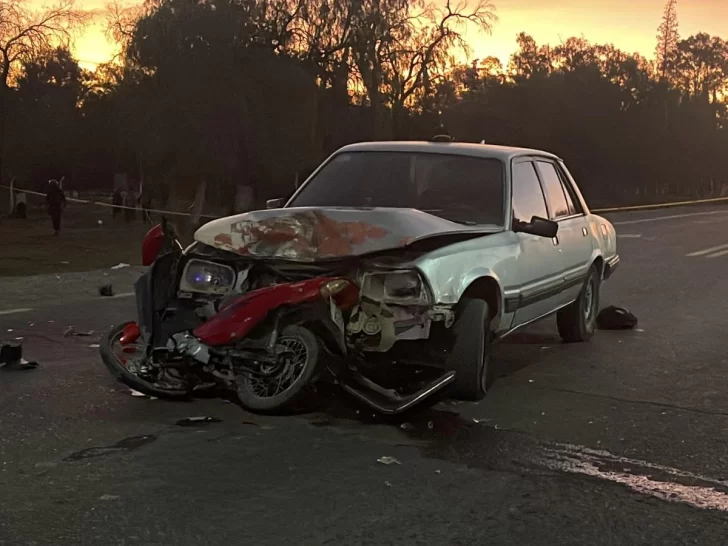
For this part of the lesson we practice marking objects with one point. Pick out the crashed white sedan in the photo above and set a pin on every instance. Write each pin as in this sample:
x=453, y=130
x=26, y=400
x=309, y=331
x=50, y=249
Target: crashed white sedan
x=392, y=269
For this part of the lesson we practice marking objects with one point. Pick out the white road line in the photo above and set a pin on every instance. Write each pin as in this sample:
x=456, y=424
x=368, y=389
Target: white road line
x=671, y=217
x=707, y=250
x=19, y=310
x=123, y=295
x=717, y=254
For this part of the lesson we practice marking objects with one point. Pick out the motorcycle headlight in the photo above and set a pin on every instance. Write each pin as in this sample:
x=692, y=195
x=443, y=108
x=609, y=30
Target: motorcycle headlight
x=396, y=287
x=207, y=278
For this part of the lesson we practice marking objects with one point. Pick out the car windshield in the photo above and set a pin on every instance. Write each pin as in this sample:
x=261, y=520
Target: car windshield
x=463, y=189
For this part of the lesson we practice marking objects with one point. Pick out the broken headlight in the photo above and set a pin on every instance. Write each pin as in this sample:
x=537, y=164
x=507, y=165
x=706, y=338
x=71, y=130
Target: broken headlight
x=404, y=287
x=207, y=278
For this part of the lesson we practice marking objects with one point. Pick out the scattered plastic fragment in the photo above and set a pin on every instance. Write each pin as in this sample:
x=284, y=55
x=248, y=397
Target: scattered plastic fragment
x=120, y=266
x=438, y=472
x=94, y=346
x=406, y=426
x=137, y=393
x=388, y=484
x=430, y=425
x=388, y=460
x=71, y=331
x=192, y=421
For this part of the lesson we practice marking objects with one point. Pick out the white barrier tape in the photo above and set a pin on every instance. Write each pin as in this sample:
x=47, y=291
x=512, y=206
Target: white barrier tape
x=103, y=204
x=602, y=210
x=663, y=205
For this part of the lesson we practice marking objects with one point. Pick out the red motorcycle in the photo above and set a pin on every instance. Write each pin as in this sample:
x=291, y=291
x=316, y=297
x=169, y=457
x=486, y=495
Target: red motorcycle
x=267, y=330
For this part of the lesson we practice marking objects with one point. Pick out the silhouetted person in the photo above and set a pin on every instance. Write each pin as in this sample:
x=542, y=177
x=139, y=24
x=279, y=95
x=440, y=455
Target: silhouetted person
x=117, y=201
x=56, y=202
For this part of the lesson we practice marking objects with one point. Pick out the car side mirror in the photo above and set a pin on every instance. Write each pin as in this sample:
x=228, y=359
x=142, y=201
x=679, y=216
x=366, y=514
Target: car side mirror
x=538, y=226
x=275, y=203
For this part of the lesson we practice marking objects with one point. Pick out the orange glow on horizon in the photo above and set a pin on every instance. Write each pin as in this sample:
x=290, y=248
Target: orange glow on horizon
x=631, y=25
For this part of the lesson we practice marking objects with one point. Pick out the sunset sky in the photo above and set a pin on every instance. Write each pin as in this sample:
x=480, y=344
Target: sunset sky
x=629, y=24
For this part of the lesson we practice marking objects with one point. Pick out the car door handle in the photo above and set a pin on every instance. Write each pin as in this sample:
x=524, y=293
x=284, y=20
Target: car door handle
x=555, y=241
x=584, y=231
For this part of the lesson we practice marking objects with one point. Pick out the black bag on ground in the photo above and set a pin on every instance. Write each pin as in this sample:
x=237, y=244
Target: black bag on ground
x=616, y=318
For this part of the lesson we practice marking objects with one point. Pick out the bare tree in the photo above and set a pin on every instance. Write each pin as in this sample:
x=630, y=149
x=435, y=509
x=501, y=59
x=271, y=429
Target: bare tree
x=423, y=56
x=667, y=40
x=26, y=33
x=121, y=20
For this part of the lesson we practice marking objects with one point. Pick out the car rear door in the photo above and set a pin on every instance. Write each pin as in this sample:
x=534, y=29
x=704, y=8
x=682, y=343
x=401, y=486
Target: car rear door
x=573, y=243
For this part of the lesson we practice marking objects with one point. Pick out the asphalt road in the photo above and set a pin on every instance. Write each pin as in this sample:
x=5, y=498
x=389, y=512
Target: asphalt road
x=618, y=441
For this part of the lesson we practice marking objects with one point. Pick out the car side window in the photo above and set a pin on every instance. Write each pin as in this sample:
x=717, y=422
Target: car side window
x=571, y=197
x=528, y=198
x=554, y=190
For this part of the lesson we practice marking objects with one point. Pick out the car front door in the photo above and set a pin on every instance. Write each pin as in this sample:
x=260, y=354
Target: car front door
x=537, y=273
x=573, y=241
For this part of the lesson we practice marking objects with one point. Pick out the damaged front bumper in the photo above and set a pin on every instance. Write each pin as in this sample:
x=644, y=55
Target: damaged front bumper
x=389, y=401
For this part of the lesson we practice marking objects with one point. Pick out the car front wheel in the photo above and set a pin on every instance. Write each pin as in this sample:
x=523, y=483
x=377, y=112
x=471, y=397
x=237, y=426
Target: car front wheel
x=470, y=356
x=577, y=321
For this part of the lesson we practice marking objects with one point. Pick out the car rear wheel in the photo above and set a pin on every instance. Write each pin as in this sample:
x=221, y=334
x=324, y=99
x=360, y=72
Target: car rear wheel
x=577, y=321
x=470, y=357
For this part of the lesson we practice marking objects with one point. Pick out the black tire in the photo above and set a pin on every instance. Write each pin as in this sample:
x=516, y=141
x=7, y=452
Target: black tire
x=123, y=375
x=471, y=352
x=292, y=396
x=577, y=322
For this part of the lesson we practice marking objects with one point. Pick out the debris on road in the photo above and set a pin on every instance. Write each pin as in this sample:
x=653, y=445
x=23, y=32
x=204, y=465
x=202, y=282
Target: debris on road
x=71, y=331
x=94, y=346
x=11, y=358
x=137, y=393
x=388, y=484
x=388, y=460
x=406, y=426
x=109, y=497
x=106, y=290
x=616, y=318
x=120, y=266
x=192, y=421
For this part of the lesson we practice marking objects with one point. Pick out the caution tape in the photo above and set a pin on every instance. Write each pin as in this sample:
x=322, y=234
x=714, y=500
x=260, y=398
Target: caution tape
x=111, y=205
x=176, y=213
x=663, y=205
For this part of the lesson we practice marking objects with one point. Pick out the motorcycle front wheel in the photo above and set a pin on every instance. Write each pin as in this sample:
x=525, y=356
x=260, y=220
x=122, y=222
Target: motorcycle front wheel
x=121, y=359
x=281, y=390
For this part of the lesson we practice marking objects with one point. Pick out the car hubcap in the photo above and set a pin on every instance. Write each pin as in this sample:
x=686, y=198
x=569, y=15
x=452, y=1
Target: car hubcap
x=589, y=301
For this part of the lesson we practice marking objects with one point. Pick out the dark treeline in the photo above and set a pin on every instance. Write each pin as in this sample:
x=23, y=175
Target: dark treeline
x=243, y=94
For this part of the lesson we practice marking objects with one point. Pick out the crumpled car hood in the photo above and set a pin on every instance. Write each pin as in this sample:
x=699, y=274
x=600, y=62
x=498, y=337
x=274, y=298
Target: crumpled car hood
x=309, y=234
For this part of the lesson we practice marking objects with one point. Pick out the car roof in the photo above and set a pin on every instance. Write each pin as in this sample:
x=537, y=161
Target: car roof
x=487, y=151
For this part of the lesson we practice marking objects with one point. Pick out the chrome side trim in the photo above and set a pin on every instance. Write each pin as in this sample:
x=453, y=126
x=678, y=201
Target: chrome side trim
x=509, y=332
